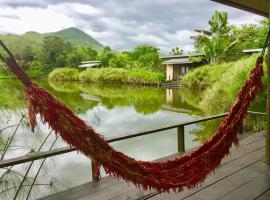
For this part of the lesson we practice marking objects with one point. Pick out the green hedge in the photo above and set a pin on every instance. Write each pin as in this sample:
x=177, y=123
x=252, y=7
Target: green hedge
x=64, y=74
x=110, y=75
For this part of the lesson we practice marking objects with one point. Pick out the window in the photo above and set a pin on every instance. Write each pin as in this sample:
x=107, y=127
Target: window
x=183, y=70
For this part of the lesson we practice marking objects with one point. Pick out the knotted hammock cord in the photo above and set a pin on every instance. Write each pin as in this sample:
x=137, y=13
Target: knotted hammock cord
x=188, y=170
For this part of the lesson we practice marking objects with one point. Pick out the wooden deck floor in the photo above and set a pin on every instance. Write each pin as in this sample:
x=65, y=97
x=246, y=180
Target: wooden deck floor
x=242, y=176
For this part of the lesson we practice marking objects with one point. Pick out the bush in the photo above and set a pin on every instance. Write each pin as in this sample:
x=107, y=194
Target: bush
x=34, y=73
x=146, y=77
x=64, y=74
x=202, y=77
x=118, y=75
x=104, y=75
x=220, y=84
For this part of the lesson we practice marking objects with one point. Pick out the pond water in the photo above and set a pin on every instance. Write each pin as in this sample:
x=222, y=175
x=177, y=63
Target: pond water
x=113, y=110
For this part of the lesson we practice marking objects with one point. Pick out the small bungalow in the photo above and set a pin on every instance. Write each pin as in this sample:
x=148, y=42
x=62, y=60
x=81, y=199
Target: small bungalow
x=90, y=64
x=179, y=65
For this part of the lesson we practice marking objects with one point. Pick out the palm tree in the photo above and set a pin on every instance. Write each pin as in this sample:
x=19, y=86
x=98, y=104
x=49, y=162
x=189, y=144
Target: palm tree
x=216, y=43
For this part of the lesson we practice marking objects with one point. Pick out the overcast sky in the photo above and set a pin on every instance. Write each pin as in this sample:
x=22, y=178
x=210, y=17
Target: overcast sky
x=121, y=24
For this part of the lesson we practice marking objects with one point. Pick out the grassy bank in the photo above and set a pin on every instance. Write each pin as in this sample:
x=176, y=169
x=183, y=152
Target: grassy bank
x=219, y=84
x=109, y=75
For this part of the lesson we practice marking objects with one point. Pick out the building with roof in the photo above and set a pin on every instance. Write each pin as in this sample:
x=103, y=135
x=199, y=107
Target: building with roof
x=179, y=65
x=90, y=64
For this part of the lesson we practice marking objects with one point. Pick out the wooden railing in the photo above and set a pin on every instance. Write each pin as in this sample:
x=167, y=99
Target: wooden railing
x=180, y=134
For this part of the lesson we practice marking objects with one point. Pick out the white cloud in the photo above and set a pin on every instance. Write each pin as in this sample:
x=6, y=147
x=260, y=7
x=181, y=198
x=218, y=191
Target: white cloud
x=37, y=19
x=85, y=9
x=148, y=39
x=120, y=24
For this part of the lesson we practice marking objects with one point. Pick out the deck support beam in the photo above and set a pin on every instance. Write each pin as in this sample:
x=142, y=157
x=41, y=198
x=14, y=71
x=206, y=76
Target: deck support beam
x=267, y=140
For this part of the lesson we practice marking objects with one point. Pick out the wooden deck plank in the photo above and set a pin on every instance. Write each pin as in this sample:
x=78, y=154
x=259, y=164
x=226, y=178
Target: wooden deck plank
x=221, y=173
x=252, y=189
x=226, y=185
x=248, y=144
x=238, y=164
x=264, y=196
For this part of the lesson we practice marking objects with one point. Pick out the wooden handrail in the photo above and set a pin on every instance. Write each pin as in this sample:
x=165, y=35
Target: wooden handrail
x=58, y=151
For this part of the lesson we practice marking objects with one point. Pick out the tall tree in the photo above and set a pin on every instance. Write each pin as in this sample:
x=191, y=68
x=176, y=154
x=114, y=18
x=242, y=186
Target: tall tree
x=82, y=53
x=120, y=60
x=105, y=56
x=216, y=44
x=145, y=56
x=54, y=51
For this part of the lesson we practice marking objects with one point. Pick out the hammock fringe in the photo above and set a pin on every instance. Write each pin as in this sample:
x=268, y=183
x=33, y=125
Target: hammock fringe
x=187, y=171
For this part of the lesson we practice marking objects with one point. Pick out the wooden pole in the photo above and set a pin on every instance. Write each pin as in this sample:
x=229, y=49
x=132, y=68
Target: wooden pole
x=181, y=139
x=267, y=143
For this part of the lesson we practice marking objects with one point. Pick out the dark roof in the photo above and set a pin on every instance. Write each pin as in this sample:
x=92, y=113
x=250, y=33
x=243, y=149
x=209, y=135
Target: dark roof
x=177, y=61
x=180, y=56
x=260, y=7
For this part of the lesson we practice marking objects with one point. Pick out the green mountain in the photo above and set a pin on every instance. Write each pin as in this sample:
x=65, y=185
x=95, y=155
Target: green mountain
x=77, y=37
x=73, y=35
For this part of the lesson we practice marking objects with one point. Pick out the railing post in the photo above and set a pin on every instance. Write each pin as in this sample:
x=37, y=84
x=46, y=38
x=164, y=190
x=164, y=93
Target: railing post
x=181, y=139
x=241, y=128
x=267, y=138
x=93, y=166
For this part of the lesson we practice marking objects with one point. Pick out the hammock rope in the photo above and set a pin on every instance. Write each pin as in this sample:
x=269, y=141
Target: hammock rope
x=188, y=170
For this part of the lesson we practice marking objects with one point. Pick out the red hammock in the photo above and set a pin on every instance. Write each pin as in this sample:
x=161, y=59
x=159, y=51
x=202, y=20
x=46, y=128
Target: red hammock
x=186, y=171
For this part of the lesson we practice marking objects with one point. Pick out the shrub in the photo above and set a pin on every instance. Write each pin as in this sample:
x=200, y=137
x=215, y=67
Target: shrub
x=220, y=84
x=202, y=77
x=64, y=74
x=118, y=75
x=89, y=75
x=145, y=77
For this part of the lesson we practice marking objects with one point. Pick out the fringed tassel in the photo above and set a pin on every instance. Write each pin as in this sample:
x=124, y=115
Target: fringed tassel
x=186, y=171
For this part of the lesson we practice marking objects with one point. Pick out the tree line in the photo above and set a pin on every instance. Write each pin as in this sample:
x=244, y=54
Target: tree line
x=222, y=42
x=55, y=52
x=226, y=42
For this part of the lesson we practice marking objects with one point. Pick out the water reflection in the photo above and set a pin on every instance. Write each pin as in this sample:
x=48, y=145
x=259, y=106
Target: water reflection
x=112, y=110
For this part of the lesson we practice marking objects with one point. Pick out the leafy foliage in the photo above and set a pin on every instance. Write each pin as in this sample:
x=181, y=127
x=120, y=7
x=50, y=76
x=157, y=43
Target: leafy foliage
x=176, y=51
x=82, y=53
x=109, y=75
x=67, y=47
x=145, y=56
x=64, y=74
x=120, y=60
x=252, y=36
x=55, y=51
x=219, y=84
x=217, y=43
x=105, y=56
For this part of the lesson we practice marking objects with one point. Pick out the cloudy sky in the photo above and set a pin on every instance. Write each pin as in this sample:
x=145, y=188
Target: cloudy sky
x=121, y=24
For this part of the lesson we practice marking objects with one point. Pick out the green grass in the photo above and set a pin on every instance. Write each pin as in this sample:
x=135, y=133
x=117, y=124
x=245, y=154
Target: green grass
x=109, y=75
x=218, y=85
x=203, y=77
x=64, y=74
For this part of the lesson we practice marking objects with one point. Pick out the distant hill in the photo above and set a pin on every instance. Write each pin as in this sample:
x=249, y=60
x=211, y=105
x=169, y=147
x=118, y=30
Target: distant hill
x=77, y=37
x=73, y=35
